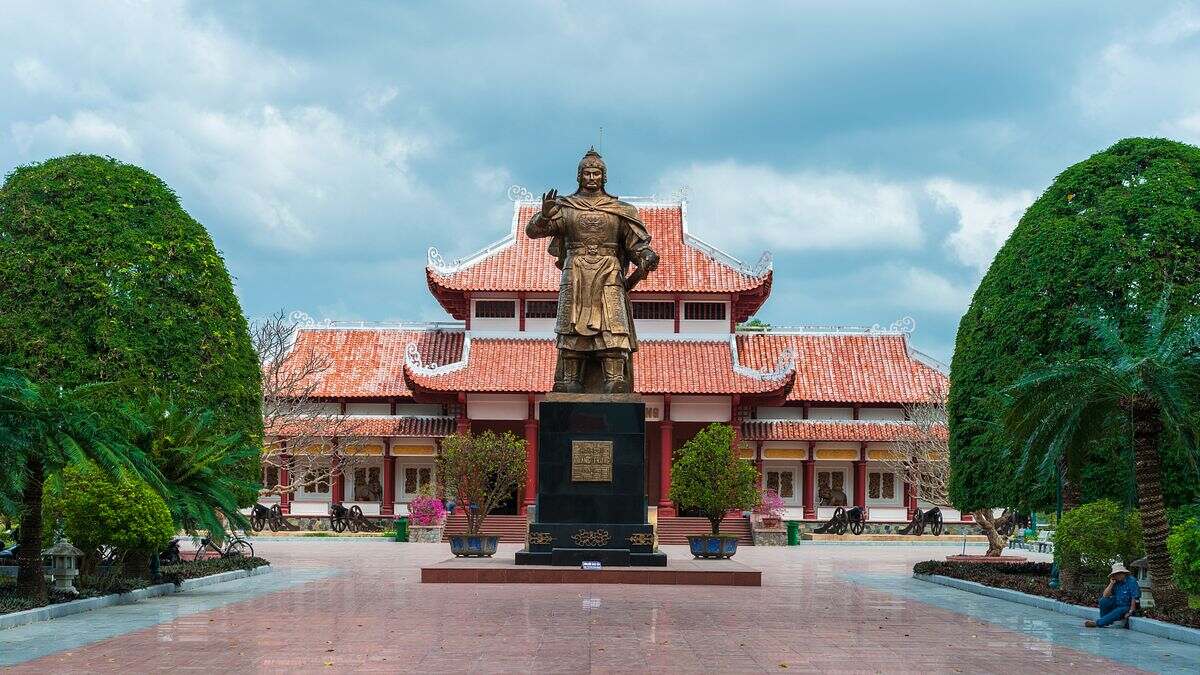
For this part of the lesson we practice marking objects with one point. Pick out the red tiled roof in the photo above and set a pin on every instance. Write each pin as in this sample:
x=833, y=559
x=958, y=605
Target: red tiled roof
x=375, y=425
x=659, y=366
x=524, y=265
x=851, y=368
x=370, y=362
x=827, y=430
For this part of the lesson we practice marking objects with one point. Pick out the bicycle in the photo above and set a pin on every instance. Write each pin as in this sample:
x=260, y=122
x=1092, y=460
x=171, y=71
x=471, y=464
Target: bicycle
x=234, y=547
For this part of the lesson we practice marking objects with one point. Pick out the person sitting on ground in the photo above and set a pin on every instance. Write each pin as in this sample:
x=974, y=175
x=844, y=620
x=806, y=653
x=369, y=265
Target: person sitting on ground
x=1120, y=598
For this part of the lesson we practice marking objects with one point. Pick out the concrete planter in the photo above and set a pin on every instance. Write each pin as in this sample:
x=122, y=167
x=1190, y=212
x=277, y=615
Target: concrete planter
x=769, y=536
x=425, y=534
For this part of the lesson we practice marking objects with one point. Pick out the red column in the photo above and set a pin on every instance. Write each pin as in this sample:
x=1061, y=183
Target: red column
x=810, y=488
x=910, y=499
x=462, y=423
x=531, y=468
x=338, y=486
x=860, y=484
x=388, y=507
x=678, y=309
x=285, y=480
x=666, y=450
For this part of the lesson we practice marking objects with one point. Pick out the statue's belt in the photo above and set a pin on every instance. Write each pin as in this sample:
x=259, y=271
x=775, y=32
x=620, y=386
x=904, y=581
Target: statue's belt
x=593, y=249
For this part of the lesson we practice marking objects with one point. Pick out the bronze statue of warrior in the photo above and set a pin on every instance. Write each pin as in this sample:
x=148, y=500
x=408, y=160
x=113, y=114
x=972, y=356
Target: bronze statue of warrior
x=594, y=240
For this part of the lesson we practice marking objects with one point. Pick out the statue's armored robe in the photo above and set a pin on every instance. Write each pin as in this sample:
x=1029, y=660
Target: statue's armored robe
x=593, y=243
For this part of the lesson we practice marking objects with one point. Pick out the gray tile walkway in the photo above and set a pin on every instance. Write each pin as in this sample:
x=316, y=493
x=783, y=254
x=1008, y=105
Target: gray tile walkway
x=1136, y=649
x=25, y=643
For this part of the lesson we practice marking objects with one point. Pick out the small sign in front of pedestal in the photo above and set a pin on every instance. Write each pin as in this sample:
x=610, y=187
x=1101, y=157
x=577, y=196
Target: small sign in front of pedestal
x=591, y=565
x=591, y=461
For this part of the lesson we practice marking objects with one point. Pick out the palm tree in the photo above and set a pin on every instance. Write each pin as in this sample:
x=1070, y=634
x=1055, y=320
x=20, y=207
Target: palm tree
x=42, y=429
x=202, y=468
x=1139, y=387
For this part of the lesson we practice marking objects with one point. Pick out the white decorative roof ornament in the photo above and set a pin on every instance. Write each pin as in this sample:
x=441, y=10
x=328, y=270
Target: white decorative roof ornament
x=412, y=358
x=784, y=365
x=904, y=325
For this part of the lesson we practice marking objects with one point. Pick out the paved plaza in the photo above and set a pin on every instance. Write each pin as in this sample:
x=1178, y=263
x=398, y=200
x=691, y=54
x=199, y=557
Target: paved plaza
x=357, y=605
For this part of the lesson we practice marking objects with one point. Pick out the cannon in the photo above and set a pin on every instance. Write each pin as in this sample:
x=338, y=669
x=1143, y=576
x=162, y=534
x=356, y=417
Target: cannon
x=922, y=519
x=853, y=520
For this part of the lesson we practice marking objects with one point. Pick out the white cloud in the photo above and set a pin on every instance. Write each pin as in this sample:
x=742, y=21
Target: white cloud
x=1148, y=81
x=85, y=131
x=796, y=211
x=985, y=218
x=918, y=288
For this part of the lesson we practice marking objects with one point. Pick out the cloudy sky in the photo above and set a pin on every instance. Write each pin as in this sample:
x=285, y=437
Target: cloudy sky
x=882, y=151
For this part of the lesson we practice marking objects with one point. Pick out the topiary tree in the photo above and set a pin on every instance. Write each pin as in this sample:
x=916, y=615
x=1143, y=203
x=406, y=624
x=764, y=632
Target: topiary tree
x=480, y=472
x=1110, y=233
x=709, y=477
x=1093, y=536
x=97, y=510
x=105, y=278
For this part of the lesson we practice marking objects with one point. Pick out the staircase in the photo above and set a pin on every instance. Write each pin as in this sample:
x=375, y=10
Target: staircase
x=510, y=528
x=674, y=530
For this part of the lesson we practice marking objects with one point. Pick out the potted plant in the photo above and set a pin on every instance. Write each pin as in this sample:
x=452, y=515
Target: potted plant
x=426, y=515
x=479, y=472
x=771, y=509
x=707, y=476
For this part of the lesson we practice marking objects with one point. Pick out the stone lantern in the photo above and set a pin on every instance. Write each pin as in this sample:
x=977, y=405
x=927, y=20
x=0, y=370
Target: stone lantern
x=63, y=559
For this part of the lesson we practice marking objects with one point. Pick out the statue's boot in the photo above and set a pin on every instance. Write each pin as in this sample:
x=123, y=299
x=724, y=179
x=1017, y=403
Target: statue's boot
x=570, y=374
x=614, y=374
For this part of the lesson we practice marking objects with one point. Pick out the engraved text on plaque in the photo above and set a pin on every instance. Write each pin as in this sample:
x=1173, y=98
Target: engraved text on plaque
x=591, y=461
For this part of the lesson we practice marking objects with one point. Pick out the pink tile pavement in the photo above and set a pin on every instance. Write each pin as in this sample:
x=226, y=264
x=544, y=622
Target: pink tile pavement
x=377, y=617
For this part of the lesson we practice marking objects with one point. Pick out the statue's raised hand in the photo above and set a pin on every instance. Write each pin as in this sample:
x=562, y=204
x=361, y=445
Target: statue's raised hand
x=549, y=202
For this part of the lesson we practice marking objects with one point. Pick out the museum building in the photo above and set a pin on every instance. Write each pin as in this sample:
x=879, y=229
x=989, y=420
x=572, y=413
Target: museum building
x=816, y=409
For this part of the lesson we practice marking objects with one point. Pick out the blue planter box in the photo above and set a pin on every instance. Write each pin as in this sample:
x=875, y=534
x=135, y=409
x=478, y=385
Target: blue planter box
x=473, y=546
x=712, y=546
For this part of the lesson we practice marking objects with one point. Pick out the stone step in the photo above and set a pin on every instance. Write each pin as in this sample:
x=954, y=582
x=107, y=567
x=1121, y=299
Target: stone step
x=510, y=529
x=674, y=530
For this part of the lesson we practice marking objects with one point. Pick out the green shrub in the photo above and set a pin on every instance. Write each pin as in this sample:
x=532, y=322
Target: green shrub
x=1184, y=546
x=1093, y=536
x=709, y=477
x=95, y=511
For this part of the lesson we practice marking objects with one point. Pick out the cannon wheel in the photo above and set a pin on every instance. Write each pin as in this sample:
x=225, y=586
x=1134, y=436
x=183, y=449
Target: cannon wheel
x=856, y=527
x=936, y=526
x=337, y=524
x=257, y=523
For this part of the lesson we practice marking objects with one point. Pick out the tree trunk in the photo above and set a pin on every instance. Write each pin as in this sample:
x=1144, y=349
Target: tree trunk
x=716, y=523
x=1147, y=432
x=137, y=565
x=31, y=579
x=1068, y=576
x=987, y=523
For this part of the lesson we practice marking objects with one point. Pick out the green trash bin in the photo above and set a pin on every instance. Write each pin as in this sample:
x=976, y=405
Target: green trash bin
x=793, y=528
x=402, y=528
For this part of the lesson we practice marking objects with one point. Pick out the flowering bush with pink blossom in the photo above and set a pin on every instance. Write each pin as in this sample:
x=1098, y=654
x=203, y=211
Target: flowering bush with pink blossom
x=426, y=510
x=771, y=504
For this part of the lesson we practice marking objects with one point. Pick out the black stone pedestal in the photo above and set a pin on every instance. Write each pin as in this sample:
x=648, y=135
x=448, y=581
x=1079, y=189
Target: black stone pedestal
x=591, y=502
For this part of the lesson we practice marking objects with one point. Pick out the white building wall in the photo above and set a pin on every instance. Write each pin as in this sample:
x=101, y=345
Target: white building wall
x=497, y=406
x=779, y=413
x=700, y=408
x=368, y=409
x=646, y=327
x=822, y=413
x=881, y=414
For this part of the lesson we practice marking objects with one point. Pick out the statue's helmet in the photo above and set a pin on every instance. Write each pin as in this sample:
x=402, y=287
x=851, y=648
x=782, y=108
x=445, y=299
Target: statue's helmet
x=592, y=159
